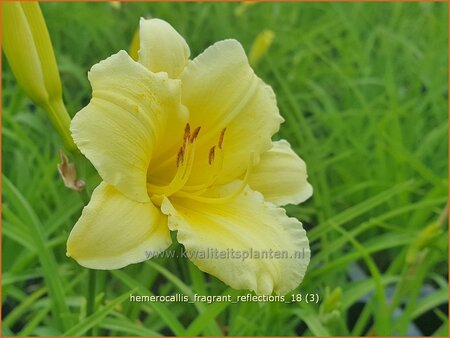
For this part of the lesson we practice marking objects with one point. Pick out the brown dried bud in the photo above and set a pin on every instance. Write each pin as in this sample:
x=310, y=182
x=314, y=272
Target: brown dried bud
x=68, y=173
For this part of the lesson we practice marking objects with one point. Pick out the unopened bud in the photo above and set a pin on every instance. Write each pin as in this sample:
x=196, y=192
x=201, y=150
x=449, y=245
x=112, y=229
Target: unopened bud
x=260, y=46
x=29, y=51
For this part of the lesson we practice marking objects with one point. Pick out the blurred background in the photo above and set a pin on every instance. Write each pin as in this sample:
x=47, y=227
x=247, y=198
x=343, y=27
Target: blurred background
x=363, y=88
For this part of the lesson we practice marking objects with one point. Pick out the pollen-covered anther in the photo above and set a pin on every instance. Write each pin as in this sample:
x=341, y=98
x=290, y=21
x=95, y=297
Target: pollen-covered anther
x=180, y=156
x=194, y=134
x=211, y=155
x=187, y=132
x=222, y=135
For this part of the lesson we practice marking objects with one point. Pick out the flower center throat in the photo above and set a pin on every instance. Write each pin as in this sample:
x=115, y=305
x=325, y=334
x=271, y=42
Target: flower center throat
x=185, y=165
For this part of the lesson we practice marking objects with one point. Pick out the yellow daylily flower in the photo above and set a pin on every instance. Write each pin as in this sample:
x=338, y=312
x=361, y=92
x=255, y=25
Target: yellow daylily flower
x=186, y=146
x=29, y=51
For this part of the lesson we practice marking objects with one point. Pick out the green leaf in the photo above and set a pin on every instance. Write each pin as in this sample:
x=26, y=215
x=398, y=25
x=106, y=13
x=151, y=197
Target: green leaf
x=311, y=320
x=86, y=324
x=46, y=257
x=165, y=314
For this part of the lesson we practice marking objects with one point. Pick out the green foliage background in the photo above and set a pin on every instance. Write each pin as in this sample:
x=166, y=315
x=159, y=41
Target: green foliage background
x=363, y=88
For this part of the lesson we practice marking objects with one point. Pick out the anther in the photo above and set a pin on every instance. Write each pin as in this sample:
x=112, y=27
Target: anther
x=180, y=157
x=187, y=131
x=222, y=134
x=194, y=134
x=211, y=155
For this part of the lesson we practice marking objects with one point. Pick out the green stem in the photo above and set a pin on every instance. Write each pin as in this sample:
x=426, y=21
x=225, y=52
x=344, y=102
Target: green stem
x=61, y=121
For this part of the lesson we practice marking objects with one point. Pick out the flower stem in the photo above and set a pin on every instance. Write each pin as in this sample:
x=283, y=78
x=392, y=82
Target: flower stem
x=61, y=121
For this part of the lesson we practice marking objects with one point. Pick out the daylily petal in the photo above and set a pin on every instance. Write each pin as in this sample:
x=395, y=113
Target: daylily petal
x=281, y=176
x=114, y=231
x=162, y=49
x=246, y=225
x=220, y=91
x=128, y=120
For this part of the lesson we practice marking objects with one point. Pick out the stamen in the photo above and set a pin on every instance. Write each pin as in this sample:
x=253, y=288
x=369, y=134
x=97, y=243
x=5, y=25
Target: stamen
x=211, y=155
x=214, y=157
x=217, y=163
x=187, y=132
x=181, y=176
x=180, y=156
x=184, y=164
x=222, y=135
x=168, y=159
x=225, y=199
x=195, y=134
